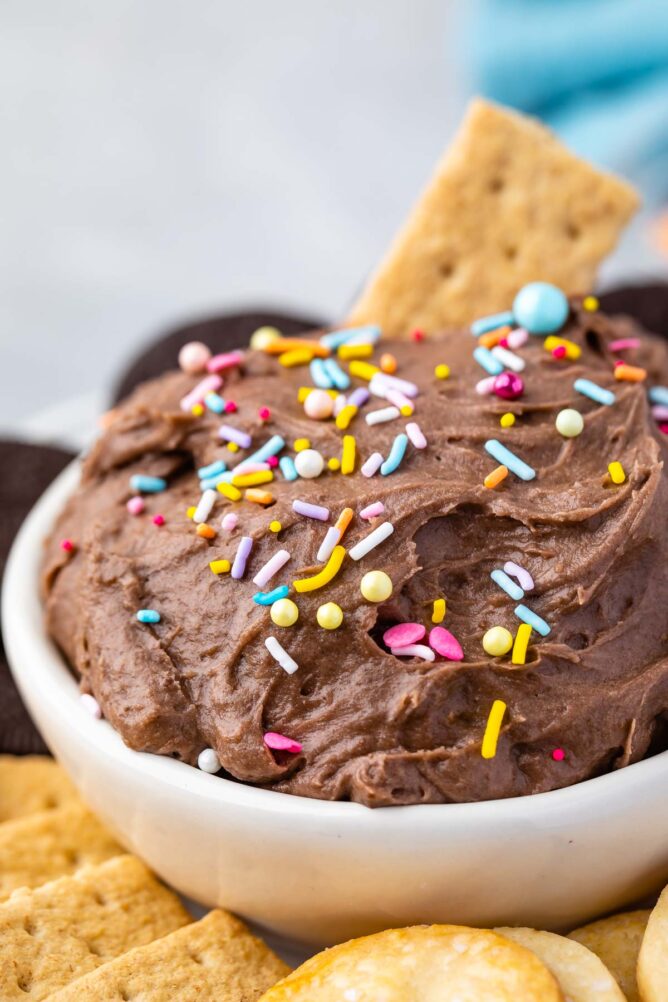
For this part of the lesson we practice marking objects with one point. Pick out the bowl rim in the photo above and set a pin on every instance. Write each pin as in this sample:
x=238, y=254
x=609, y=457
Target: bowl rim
x=35, y=661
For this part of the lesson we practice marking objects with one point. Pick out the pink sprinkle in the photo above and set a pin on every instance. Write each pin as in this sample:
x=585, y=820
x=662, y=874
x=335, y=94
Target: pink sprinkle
x=225, y=361
x=196, y=396
x=445, y=644
x=414, y=432
x=248, y=467
x=272, y=462
x=372, y=510
x=485, y=386
x=67, y=545
x=158, y=520
x=404, y=634
x=558, y=754
x=264, y=413
x=280, y=743
x=229, y=521
x=135, y=505
x=660, y=412
x=517, y=338
x=372, y=465
x=663, y=426
x=91, y=705
x=623, y=343
x=230, y=407
x=559, y=351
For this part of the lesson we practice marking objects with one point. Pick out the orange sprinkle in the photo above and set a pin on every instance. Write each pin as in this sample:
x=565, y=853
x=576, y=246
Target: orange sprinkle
x=494, y=478
x=281, y=344
x=258, y=496
x=630, y=373
x=343, y=521
x=388, y=363
x=492, y=338
x=206, y=531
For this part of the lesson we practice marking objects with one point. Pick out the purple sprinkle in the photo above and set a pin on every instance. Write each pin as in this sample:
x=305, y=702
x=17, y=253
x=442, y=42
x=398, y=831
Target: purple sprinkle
x=243, y=551
x=311, y=510
x=359, y=397
x=242, y=438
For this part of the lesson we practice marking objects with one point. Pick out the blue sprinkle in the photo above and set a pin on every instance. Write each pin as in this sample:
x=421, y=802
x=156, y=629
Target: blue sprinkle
x=148, y=616
x=659, y=395
x=339, y=378
x=594, y=392
x=502, y=455
x=288, y=468
x=532, y=620
x=210, y=483
x=270, y=448
x=397, y=451
x=319, y=375
x=212, y=470
x=490, y=323
x=490, y=364
x=269, y=597
x=363, y=335
x=147, y=485
x=508, y=585
x=215, y=403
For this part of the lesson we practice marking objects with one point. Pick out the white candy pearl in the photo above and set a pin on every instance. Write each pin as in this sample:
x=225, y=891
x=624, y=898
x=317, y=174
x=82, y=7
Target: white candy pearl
x=193, y=357
x=319, y=405
x=309, y=464
x=208, y=761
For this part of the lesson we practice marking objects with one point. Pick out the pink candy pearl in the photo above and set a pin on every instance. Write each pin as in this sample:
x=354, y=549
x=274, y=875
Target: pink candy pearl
x=508, y=386
x=135, y=505
x=443, y=642
x=404, y=634
x=193, y=357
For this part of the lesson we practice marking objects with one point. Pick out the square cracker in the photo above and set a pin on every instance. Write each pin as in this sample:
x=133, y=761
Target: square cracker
x=508, y=205
x=214, y=960
x=51, y=844
x=31, y=783
x=58, y=932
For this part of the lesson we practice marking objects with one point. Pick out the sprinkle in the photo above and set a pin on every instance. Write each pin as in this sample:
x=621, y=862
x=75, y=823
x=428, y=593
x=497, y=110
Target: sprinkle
x=91, y=705
x=135, y=505
x=269, y=597
x=67, y=545
x=297, y=356
x=147, y=485
x=334, y=464
x=252, y=479
x=659, y=412
x=534, y=621
x=363, y=370
x=522, y=638
x=324, y=576
x=246, y=466
x=558, y=754
x=230, y=434
x=148, y=616
x=507, y=584
x=622, y=343
x=414, y=651
x=300, y=444
x=572, y=351
x=371, y=541
x=206, y=531
x=382, y=415
x=438, y=614
x=229, y=522
x=494, y=478
x=339, y=403
x=658, y=395
x=270, y=448
x=264, y=413
x=334, y=339
x=522, y=575
x=279, y=654
x=228, y=491
x=507, y=420
x=630, y=373
x=388, y=363
x=329, y=616
x=503, y=455
x=272, y=566
x=418, y=336
x=332, y=537
x=230, y=407
x=359, y=397
x=382, y=382
x=372, y=465
x=345, y=416
x=158, y=520
x=278, y=742
x=508, y=358
x=517, y=338
x=497, y=641
x=492, y=338
x=205, y=506
x=215, y=403
x=491, y=322
x=442, y=371
x=310, y=510
x=272, y=463
x=242, y=554
x=372, y=510
x=485, y=386
x=208, y=761
x=489, y=363
x=219, y=566
x=279, y=346
x=376, y=586
x=211, y=483
x=443, y=642
x=594, y=392
x=288, y=468
x=275, y=526
x=494, y=721
x=590, y=304
x=212, y=470
x=339, y=378
x=404, y=634
x=232, y=447
x=284, y=612
x=319, y=375
x=416, y=436
x=344, y=520
x=258, y=496
x=208, y=385
x=348, y=455
x=396, y=455
x=400, y=400
x=349, y=351
x=616, y=471
x=190, y=511
x=226, y=360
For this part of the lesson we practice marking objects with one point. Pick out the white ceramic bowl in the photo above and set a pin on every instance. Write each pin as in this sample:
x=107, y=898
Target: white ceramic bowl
x=322, y=872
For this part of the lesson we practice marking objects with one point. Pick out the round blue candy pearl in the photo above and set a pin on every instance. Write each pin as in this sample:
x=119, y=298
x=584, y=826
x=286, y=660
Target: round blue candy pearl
x=540, y=308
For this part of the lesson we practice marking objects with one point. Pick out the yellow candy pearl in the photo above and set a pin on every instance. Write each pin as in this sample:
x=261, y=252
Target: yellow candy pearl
x=497, y=641
x=275, y=526
x=262, y=338
x=329, y=616
x=376, y=586
x=507, y=420
x=442, y=371
x=334, y=464
x=284, y=612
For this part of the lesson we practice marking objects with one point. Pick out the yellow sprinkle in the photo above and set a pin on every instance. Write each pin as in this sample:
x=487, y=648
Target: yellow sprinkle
x=232, y=447
x=275, y=526
x=494, y=478
x=590, y=303
x=349, y=351
x=220, y=566
x=252, y=479
x=630, y=373
x=197, y=410
x=334, y=464
x=323, y=577
x=304, y=391
x=362, y=370
x=300, y=444
x=507, y=420
x=616, y=471
x=493, y=728
x=258, y=496
x=348, y=455
x=573, y=350
x=442, y=371
x=407, y=410
x=229, y=492
x=298, y=356
x=522, y=638
x=191, y=511
x=345, y=416
x=206, y=531
x=438, y=615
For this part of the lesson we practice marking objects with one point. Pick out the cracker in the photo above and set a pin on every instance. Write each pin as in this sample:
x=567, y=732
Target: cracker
x=653, y=955
x=213, y=960
x=616, y=940
x=32, y=783
x=51, y=844
x=58, y=932
x=507, y=205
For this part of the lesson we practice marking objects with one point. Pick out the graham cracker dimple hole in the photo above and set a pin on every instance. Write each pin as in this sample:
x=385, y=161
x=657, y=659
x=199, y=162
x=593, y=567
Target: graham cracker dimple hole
x=510, y=253
x=446, y=269
x=99, y=899
x=496, y=184
x=24, y=983
x=573, y=232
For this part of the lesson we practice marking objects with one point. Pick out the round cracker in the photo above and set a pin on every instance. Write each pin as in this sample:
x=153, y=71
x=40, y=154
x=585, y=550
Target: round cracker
x=580, y=973
x=616, y=940
x=653, y=956
x=438, y=963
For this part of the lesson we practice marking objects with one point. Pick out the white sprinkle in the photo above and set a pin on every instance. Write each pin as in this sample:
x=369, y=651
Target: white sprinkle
x=332, y=536
x=517, y=338
x=508, y=358
x=279, y=654
x=208, y=761
x=384, y=414
x=91, y=705
x=400, y=400
x=416, y=436
x=272, y=566
x=393, y=383
x=414, y=651
x=485, y=386
x=370, y=542
x=205, y=506
x=372, y=465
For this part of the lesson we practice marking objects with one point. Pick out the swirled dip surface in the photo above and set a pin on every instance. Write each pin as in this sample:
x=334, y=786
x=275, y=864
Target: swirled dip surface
x=378, y=728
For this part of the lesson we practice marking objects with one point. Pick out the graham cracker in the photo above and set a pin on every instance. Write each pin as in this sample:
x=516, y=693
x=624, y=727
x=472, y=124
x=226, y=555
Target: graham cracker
x=213, y=960
x=508, y=204
x=51, y=844
x=32, y=783
x=58, y=932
